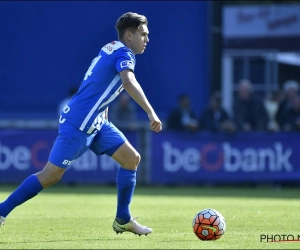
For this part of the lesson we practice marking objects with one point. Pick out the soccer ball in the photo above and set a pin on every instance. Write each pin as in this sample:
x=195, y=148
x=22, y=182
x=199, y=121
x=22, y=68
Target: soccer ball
x=209, y=224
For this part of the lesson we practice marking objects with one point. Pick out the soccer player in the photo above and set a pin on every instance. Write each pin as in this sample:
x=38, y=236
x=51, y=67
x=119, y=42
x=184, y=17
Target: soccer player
x=84, y=124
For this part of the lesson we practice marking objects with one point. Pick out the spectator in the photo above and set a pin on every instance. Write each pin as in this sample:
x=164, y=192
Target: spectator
x=292, y=116
x=271, y=103
x=290, y=90
x=182, y=118
x=249, y=111
x=123, y=113
x=72, y=91
x=214, y=118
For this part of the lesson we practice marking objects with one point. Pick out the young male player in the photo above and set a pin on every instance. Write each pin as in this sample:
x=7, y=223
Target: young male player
x=84, y=125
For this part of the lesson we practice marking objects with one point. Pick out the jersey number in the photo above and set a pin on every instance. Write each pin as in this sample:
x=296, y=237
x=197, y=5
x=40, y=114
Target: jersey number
x=89, y=72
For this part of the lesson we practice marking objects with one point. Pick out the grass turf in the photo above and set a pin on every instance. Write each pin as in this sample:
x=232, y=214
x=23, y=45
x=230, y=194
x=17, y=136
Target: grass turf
x=80, y=217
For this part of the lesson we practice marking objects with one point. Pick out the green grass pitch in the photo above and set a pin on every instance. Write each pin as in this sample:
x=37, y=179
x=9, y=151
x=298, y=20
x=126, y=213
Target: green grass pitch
x=80, y=217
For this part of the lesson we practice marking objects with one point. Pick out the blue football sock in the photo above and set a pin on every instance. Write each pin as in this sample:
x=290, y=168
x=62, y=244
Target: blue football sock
x=126, y=180
x=29, y=188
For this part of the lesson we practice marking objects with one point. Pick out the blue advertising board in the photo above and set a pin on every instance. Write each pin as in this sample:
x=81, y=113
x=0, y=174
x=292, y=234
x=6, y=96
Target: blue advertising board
x=187, y=158
x=172, y=158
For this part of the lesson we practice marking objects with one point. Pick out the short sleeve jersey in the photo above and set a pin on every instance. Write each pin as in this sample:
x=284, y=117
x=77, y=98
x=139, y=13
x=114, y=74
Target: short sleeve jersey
x=100, y=86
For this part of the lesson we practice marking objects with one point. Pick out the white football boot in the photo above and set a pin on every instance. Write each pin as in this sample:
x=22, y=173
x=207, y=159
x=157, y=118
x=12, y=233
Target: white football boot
x=2, y=219
x=132, y=226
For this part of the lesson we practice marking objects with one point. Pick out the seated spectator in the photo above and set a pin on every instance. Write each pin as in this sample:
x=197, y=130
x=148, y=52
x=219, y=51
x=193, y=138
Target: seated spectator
x=292, y=116
x=214, y=118
x=271, y=103
x=249, y=111
x=182, y=118
x=122, y=113
x=290, y=90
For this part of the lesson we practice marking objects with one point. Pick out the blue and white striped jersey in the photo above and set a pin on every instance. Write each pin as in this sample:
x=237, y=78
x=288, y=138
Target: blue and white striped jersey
x=101, y=85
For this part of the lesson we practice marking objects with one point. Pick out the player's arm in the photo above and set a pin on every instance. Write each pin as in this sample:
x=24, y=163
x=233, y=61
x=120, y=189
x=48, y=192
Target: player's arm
x=135, y=90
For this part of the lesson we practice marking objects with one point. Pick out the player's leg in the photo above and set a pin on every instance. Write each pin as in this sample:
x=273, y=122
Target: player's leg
x=112, y=142
x=30, y=187
x=68, y=146
x=129, y=159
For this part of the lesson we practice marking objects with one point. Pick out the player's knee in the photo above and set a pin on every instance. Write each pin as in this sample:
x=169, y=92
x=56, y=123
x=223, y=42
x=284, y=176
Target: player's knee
x=51, y=179
x=50, y=175
x=135, y=161
x=138, y=159
x=55, y=179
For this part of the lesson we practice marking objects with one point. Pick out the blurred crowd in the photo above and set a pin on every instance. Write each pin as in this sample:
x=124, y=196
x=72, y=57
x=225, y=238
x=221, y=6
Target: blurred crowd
x=276, y=111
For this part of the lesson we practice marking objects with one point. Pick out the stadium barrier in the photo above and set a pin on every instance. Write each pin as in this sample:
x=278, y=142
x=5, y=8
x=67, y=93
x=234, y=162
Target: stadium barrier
x=224, y=158
x=168, y=158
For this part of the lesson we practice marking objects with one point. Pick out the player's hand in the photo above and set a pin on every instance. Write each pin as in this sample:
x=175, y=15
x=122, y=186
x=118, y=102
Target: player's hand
x=155, y=123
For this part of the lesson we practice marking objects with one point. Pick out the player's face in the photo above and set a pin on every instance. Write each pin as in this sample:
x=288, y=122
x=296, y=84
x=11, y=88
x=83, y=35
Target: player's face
x=139, y=39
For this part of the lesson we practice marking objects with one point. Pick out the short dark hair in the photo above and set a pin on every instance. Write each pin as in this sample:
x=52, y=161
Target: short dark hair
x=130, y=21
